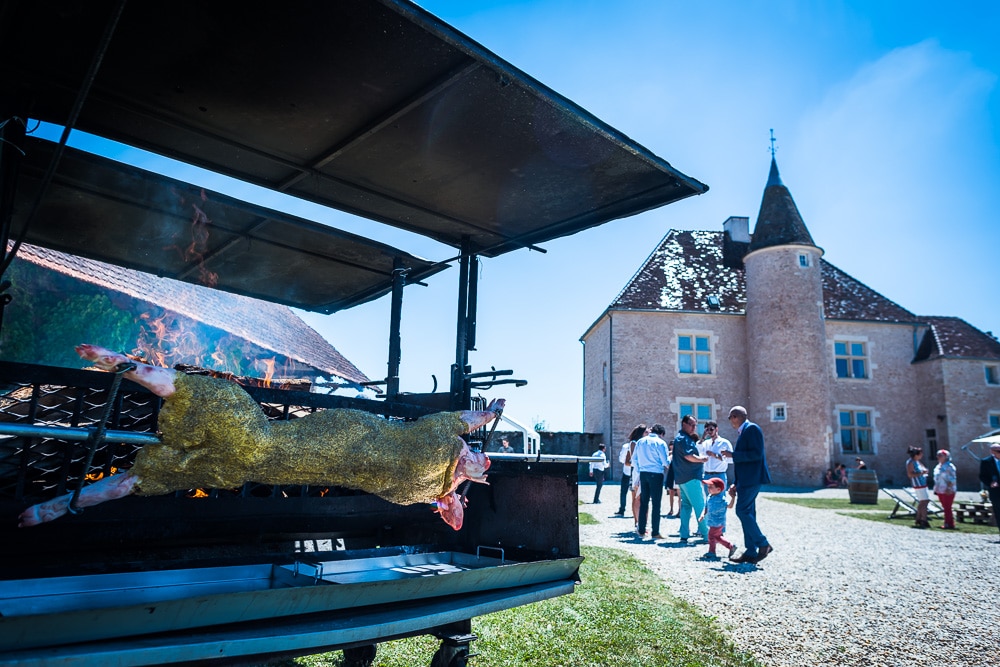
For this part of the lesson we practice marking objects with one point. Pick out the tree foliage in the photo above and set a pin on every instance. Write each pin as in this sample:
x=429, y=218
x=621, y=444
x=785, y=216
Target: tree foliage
x=45, y=321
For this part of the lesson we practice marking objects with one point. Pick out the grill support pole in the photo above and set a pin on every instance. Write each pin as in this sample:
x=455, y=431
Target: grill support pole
x=98, y=435
x=460, y=394
x=395, y=320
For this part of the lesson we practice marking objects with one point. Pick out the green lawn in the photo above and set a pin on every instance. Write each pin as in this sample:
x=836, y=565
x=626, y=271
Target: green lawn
x=879, y=512
x=606, y=623
x=588, y=519
x=833, y=503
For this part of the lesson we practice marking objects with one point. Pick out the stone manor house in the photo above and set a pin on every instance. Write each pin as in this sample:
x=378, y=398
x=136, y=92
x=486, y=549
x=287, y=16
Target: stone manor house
x=830, y=368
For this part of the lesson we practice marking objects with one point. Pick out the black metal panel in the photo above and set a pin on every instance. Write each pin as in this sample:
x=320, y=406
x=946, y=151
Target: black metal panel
x=375, y=108
x=111, y=212
x=527, y=507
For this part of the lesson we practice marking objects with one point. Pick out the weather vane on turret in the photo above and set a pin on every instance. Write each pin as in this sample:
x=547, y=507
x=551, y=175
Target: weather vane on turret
x=772, y=143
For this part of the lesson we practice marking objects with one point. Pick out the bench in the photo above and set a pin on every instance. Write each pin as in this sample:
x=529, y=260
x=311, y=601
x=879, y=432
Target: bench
x=980, y=513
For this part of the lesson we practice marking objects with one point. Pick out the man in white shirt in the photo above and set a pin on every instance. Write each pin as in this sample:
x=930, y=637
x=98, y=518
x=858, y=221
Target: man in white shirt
x=597, y=469
x=650, y=460
x=713, y=445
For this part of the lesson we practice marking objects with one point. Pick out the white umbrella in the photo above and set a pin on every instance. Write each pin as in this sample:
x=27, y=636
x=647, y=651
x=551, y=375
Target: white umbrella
x=979, y=448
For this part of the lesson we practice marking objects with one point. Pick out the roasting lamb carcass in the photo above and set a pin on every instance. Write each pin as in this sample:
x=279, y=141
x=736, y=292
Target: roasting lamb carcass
x=213, y=435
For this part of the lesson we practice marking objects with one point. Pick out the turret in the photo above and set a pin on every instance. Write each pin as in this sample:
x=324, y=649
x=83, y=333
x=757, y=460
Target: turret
x=786, y=339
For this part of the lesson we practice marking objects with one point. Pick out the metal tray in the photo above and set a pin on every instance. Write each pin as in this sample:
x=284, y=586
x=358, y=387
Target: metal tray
x=63, y=610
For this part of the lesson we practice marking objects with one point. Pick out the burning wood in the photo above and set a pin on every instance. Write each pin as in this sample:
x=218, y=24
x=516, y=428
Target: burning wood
x=213, y=435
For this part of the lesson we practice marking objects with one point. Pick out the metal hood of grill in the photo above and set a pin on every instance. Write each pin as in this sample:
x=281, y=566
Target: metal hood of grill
x=373, y=107
x=115, y=213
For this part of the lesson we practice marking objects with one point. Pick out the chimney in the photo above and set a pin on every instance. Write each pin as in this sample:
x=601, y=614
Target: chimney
x=738, y=228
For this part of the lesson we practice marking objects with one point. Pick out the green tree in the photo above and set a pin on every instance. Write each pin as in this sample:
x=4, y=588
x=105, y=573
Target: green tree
x=46, y=320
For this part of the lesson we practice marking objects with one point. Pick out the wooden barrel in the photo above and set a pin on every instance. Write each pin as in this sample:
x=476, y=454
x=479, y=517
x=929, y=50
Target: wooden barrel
x=862, y=487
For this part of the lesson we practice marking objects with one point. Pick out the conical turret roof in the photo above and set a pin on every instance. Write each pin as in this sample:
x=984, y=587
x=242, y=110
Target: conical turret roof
x=778, y=222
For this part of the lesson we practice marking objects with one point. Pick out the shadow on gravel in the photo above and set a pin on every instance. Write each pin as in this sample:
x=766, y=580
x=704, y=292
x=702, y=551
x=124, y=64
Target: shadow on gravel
x=739, y=568
x=630, y=537
x=675, y=544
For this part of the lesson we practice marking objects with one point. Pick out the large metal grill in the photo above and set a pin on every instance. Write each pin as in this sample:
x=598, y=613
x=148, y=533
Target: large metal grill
x=35, y=467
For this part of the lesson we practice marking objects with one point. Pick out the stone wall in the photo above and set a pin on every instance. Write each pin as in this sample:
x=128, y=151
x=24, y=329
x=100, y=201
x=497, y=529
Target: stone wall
x=968, y=402
x=788, y=363
x=892, y=394
x=597, y=378
x=646, y=385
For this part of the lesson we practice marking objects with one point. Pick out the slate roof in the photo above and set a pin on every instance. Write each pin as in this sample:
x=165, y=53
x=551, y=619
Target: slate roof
x=954, y=337
x=779, y=221
x=273, y=327
x=846, y=298
x=684, y=270
x=689, y=266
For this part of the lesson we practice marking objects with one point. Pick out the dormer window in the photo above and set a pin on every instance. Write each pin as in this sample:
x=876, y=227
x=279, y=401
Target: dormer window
x=804, y=260
x=713, y=302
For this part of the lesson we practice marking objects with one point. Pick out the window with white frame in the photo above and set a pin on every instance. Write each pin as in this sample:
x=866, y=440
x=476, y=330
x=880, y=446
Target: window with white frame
x=804, y=260
x=694, y=353
x=855, y=430
x=992, y=373
x=779, y=412
x=703, y=412
x=851, y=358
x=995, y=419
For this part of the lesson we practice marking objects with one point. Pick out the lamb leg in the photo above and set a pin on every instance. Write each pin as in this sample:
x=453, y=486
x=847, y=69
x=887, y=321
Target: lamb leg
x=478, y=418
x=109, y=488
x=158, y=380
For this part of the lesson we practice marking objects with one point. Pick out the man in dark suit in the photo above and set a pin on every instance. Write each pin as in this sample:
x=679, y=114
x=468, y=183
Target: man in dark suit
x=749, y=474
x=989, y=475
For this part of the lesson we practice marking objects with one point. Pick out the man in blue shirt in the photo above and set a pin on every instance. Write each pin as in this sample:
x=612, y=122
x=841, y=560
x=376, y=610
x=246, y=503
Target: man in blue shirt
x=650, y=459
x=688, y=466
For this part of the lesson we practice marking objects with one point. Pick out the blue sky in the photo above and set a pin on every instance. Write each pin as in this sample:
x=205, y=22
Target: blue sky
x=886, y=116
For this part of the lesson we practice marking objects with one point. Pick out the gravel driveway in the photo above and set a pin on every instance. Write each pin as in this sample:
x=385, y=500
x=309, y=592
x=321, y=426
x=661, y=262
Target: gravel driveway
x=837, y=590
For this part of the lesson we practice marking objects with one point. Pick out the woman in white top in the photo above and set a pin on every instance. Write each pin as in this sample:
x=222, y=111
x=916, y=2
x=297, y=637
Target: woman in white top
x=917, y=472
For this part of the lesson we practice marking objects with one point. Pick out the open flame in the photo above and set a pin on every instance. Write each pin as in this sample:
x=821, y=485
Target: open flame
x=166, y=339
x=199, y=244
x=268, y=369
x=94, y=476
x=193, y=251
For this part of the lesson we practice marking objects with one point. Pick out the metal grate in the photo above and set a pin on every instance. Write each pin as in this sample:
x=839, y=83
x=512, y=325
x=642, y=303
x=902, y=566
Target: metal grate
x=37, y=468
x=43, y=467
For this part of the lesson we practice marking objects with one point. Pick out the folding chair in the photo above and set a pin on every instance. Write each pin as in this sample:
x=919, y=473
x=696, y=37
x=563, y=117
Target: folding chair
x=911, y=508
x=932, y=506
